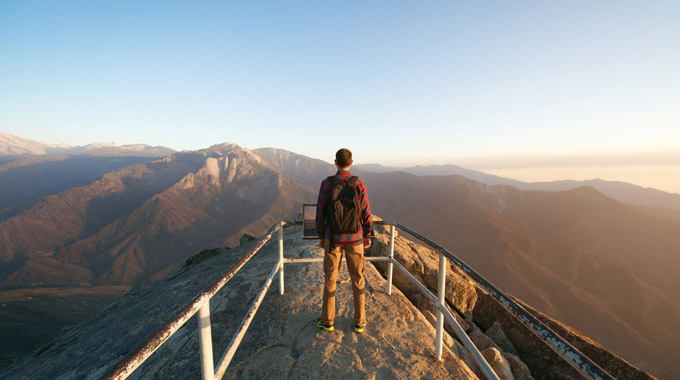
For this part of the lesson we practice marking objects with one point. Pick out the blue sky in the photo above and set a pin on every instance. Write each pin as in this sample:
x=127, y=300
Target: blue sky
x=398, y=82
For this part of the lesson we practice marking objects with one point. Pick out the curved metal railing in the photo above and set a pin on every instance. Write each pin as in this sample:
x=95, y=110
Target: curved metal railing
x=201, y=305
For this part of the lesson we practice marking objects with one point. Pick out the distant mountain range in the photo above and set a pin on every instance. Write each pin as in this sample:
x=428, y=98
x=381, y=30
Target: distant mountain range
x=34, y=170
x=602, y=264
x=11, y=145
x=621, y=191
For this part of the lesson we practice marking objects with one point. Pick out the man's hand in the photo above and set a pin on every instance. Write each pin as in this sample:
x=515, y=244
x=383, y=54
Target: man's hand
x=367, y=242
x=322, y=242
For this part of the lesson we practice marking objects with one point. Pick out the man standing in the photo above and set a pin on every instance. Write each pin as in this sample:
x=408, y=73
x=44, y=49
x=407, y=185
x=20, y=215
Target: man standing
x=343, y=221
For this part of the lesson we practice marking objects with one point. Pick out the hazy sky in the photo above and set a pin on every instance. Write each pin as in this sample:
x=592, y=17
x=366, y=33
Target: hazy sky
x=504, y=86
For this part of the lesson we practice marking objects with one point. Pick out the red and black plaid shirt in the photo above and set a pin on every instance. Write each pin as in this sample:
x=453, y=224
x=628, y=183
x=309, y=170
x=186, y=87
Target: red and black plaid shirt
x=366, y=225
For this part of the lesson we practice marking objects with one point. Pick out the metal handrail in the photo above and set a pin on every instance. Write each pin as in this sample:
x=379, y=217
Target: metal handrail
x=201, y=304
x=443, y=310
x=233, y=345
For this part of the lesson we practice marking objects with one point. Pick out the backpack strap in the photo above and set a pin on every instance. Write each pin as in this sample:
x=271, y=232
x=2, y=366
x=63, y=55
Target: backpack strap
x=353, y=182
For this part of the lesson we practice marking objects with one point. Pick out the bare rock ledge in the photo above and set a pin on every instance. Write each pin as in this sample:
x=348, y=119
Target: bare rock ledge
x=282, y=342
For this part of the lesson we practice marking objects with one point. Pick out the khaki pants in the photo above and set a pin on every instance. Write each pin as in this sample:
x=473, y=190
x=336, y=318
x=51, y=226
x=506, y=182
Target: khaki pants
x=355, y=266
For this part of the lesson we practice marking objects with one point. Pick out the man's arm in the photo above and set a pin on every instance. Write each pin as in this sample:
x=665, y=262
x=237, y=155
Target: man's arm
x=321, y=211
x=366, y=223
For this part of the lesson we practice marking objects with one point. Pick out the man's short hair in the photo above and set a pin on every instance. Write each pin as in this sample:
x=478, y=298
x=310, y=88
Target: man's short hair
x=343, y=157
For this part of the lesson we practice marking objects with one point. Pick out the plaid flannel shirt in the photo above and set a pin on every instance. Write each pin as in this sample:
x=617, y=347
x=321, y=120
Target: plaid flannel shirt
x=366, y=224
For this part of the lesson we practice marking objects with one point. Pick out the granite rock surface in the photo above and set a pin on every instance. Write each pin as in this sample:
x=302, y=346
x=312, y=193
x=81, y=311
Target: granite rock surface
x=282, y=342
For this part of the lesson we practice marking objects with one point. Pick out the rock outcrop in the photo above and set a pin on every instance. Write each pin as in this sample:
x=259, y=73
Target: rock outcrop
x=282, y=342
x=423, y=264
x=499, y=364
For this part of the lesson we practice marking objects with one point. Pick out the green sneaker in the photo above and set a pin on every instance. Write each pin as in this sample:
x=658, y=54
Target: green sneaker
x=320, y=325
x=359, y=327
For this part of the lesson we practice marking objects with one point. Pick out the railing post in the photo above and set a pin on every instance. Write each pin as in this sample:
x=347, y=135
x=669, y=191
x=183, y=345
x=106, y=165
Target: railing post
x=205, y=342
x=390, y=266
x=441, y=292
x=281, y=260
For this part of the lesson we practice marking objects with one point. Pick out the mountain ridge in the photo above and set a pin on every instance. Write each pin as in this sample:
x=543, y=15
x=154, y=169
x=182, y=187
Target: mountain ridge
x=621, y=191
x=11, y=145
x=554, y=250
x=179, y=201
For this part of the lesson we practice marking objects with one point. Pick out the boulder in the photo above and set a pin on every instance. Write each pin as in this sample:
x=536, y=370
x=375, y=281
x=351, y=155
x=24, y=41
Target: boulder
x=498, y=363
x=465, y=325
x=496, y=333
x=467, y=358
x=458, y=368
x=537, y=355
x=460, y=292
x=543, y=362
x=423, y=263
x=480, y=340
x=519, y=370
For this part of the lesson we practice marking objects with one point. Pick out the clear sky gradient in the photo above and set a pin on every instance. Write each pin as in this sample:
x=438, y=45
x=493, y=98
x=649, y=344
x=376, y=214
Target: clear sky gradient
x=519, y=88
